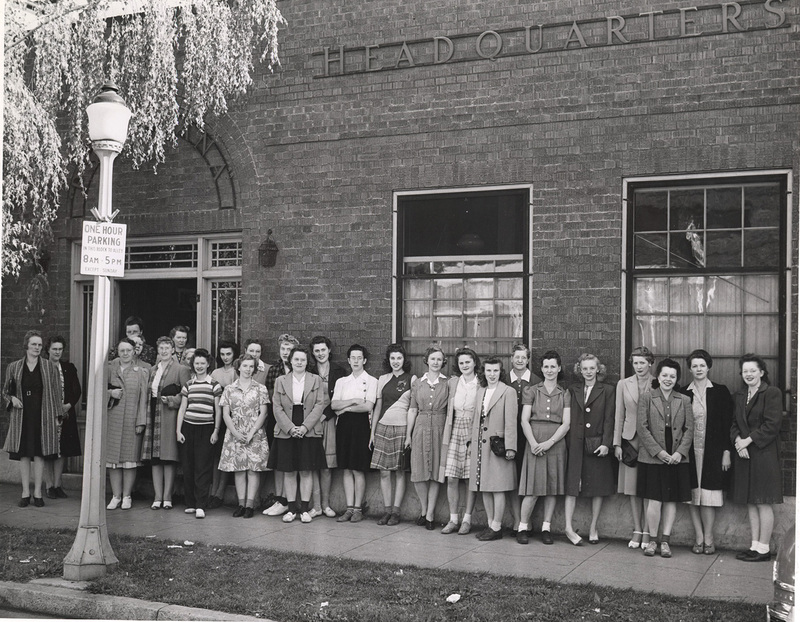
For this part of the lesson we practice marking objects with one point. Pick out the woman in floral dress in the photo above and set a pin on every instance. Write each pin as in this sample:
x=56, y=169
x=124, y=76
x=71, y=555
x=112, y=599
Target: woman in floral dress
x=245, y=449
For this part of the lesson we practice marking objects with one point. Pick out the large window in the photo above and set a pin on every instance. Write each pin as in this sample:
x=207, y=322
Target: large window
x=706, y=270
x=462, y=266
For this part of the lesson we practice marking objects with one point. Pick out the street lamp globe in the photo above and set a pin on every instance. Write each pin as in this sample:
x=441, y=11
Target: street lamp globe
x=108, y=115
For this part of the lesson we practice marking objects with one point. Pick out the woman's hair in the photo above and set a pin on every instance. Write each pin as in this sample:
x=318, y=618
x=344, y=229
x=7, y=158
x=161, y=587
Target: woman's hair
x=127, y=340
x=178, y=329
x=586, y=356
x=430, y=350
x=301, y=350
x=467, y=352
x=521, y=347
x=199, y=353
x=754, y=358
x=492, y=360
x=54, y=339
x=396, y=348
x=644, y=353
x=320, y=339
x=672, y=364
x=226, y=344
x=27, y=337
x=286, y=338
x=358, y=347
x=168, y=340
x=699, y=354
x=248, y=357
x=552, y=354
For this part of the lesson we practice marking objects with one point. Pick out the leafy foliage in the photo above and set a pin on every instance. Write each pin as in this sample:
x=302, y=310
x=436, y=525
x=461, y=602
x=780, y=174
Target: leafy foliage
x=175, y=61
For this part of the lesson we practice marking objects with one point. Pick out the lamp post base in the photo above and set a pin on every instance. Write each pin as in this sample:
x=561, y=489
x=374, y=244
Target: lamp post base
x=91, y=555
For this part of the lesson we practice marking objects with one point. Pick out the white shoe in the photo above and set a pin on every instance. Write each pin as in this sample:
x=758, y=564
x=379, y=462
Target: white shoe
x=199, y=513
x=289, y=517
x=114, y=503
x=329, y=512
x=276, y=509
x=126, y=503
x=305, y=517
x=189, y=511
x=312, y=513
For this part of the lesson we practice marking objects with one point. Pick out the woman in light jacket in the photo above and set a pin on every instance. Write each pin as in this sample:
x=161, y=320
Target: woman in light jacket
x=495, y=421
x=298, y=402
x=666, y=429
x=627, y=405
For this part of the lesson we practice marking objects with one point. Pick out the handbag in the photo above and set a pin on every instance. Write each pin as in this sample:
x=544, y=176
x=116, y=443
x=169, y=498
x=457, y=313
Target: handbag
x=591, y=444
x=498, y=445
x=405, y=461
x=630, y=456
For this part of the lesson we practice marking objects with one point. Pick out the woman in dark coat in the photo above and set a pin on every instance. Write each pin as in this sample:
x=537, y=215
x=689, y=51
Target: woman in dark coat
x=69, y=440
x=32, y=393
x=711, y=452
x=757, y=480
x=590, y=468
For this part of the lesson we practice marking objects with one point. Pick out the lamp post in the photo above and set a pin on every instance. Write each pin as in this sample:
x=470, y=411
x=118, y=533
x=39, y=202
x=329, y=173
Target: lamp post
x=91, y=553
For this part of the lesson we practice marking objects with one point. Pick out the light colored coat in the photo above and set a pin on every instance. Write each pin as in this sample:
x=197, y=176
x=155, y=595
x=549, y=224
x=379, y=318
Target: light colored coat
x=315, y=399
x=496, y=473
x=627, y=407
x=652, y=426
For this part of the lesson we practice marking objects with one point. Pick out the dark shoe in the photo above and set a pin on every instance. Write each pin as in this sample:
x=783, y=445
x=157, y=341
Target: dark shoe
x=60, y=493
x=709, y=549
x=547, y=537
x=745, y=555
x=238, y=512
x=483, y=532
x=757, y=557
x=248, y=513
x=491, y=535
x=421, y=521
x=430, y=525
x=25, y=501
x=214, y=503
x=38, y=502
x=345, y=518
x=697, y=549
x=522, y=537
x=51, y=493
x=394, y=519
x=384, y=520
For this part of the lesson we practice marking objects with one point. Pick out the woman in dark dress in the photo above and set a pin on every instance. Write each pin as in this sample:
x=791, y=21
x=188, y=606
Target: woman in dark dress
x=590, y=466
x=32, y=393
x=711, y=453
x=665, y=425
x=757, y=480
x=69, y=442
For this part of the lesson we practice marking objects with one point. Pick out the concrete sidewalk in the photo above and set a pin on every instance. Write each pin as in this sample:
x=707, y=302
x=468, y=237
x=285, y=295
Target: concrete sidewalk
x=609, y=563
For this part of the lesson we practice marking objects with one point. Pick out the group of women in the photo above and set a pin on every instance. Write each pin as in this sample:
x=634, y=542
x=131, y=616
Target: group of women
x=511, y=437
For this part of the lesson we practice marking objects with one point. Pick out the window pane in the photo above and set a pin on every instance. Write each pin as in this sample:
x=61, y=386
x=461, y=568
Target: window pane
x=652, y=331
x=417, y=319
x=509, y=288
x=724, y=294
x=726, y=371
x=509, y=318
x=479, y=318
x=762, y=205
x=651, y=296
x=508, y=265
x=650, y=210
x=723, y=335
x=448, y=267
x=226, y=313
x=479, y=288
x=760, y=293
x=687, y=294
x=448, y=288
x=650, y=250
x=685, y=332
x=479, y=266
x=762, y=248
x=724, y=208
x=418, y=268
x=686, y=209
x=761, y=335
x=686, y=250
x=724, y=249
x=417, y=289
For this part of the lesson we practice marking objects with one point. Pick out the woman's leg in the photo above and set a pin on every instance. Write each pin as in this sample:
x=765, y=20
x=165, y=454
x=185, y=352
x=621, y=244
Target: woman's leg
x=471, y=498
x=38, y=472
x=597, y=505
x=694, y=514
x=316, y=490
x=240, y=480
x=452, y=498
x=498, y=510
x=360, y=487
x=58, y=470
x=653, y=517
x=253, y=482
x=709, y=515
x=115, y=478
x=433, y=493
x=386, y=489
x=569, y=510
x=169, y=480
x=399, y=488
x=549, y=508
x=221, y=485
x=514, y=501
x=637, y=513
x=348, y=483
x=525, y=512
x=325, y=487
x=290, y=486
x=25, y=475
x=669, y=512
x=128, y=480
x=306, y=485
x=157, y=471
x=766, y=519
x=755, y=525
x=422, y=493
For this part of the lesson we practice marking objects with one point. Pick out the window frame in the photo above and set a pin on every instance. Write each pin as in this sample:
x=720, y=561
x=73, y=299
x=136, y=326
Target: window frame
x=628, y=273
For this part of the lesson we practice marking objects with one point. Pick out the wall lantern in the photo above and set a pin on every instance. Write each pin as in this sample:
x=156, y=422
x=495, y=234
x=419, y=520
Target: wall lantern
x=268, y=252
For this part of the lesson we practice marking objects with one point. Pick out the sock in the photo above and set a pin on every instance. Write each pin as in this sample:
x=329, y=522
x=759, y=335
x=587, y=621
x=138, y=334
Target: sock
x=304, y=505
x=282, y=500
x=665, y=538
x=468, y=518
x=753, y=545
x=395, y=509
x=523, y=527
x=762, y=548
x=496, y=525
x=546, y=526
x=454, y=518
x=292, y=506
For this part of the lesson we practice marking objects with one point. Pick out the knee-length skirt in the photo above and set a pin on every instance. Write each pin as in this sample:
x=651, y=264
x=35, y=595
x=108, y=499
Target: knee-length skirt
x=390, y=441
x=426, y=446
x=664, y=482
x=352, y=442
x=544, y=475
x=458, y=456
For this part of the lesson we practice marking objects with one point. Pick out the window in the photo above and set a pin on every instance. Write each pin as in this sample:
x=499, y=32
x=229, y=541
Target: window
x=705, y=271
x=462, y=271
x=226, y=312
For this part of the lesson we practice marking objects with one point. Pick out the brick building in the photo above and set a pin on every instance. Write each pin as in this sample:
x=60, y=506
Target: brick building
x=584, y=176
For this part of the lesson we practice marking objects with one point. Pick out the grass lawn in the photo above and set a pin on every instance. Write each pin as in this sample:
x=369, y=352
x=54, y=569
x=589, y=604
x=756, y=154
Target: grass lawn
x=291, y=586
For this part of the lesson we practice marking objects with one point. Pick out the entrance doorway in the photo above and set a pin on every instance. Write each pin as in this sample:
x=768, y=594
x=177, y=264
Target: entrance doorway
x=162, y=304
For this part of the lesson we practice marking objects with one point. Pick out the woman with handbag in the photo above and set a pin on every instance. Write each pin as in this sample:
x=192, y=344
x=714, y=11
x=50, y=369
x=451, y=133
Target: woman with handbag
x=389, y=421
x=590, y=470
x=711, y=456
x=492, y=471
x=626, y=441
x=666, y=429
x=757, y=481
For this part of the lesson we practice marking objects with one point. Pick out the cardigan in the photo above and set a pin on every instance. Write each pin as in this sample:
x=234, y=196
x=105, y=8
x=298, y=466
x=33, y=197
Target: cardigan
x=651, y=426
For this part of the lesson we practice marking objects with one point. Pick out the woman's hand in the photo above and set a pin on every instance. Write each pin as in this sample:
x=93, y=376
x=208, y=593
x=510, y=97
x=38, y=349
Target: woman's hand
x=742, y=443
x=744, y=454
x=214, y=436
x=726, y=460
x=117, y=394
x=181, y=438
x=163, y=399
x=663, y=456
x=16, y=402
x=618, y=452
x=65, y=409
x=510, y=454
x=675, y=458
x=601, y=451
x=249, y=436
x=407, y=444
x=541, y=448
x=140, y=429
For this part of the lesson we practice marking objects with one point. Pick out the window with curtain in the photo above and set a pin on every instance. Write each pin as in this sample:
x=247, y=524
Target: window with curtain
x=705, y=271
x=462, y=271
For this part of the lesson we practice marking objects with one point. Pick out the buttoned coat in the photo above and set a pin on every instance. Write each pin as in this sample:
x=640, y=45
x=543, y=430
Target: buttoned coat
x=758, y=480
x=500, y=419
x=51, y=406
x=452, y=385
x=626, y=409
x=314, y=402
x=652, y=426
x=159, y=436
x=590, y=476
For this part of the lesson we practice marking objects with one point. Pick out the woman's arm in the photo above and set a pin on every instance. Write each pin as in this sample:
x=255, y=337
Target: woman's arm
x=646, y=437
x=510, y=422
x=141, y=404
x=770, y=424
x=315, y=414
x=608, y=420
x=619, y=419
x=688, y=432
x=262, y=417
x=217, y=421
x=282, y=419
x=525, y=420
x=181, y=414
